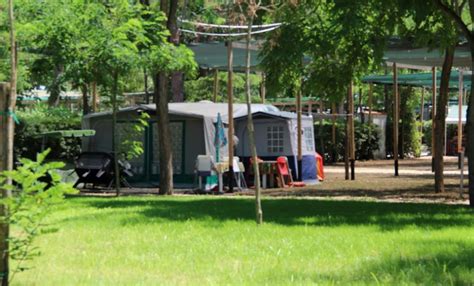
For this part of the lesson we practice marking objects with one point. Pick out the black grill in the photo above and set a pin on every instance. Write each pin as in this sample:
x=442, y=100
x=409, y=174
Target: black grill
x=97, y=169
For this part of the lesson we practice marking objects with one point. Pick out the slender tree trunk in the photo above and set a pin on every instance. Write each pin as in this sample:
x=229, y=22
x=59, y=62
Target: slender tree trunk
x=114, y=134
x=4, y=227
x=164, y=133
x=94, y=97
x=55, y=88
x=85, y=99
x=440, y=118
x=250, y=129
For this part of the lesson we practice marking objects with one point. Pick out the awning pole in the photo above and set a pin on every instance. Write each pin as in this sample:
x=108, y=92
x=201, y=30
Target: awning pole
x=298, y=132
x=422, y=112
x=460, y=131
x=395, y=117
x=433, y=114
x=216, y=85
x=230, y=116
x=352, y=133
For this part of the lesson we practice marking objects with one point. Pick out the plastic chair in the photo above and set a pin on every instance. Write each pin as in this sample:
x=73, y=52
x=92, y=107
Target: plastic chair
x=285, y=179
x=203, y=168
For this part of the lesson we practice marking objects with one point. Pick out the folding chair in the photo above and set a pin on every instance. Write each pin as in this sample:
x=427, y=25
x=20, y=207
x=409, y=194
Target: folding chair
x=285, y=179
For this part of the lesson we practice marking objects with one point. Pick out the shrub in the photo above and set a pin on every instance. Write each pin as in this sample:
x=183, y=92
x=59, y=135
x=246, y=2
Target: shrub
x=366, y=140
x=36, y=188
x=42, y=119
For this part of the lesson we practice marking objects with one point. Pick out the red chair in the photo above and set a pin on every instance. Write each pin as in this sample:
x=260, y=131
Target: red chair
x=285, y=179
x=320, y=165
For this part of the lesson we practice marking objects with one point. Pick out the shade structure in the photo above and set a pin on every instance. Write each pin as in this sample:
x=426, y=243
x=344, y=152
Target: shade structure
x=214, y=56
x=420, y=80
x=423, y=58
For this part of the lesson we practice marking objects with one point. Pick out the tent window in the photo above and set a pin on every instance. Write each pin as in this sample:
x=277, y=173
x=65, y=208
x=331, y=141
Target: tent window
x=308, y=138
x=275, y=139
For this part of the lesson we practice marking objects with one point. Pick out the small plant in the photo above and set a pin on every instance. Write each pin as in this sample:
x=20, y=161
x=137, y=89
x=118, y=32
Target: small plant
x=130, y=146
x=35, y=189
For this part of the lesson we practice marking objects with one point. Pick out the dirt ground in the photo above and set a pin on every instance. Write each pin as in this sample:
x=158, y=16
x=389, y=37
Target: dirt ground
x=374, y=180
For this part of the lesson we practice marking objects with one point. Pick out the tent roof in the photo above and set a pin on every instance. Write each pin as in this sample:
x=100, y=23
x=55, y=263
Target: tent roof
x=420, y=79
x=453, y=114
x=205, y=109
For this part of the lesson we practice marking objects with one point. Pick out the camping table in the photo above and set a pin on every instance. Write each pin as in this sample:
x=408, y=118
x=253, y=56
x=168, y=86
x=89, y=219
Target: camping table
x=221, y=168
x=267, y=168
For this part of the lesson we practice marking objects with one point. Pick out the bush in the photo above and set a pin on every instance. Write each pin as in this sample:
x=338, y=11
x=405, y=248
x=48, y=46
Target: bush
x=42, y=119
x=36, y=188
x=366, y=140
x=409, y=140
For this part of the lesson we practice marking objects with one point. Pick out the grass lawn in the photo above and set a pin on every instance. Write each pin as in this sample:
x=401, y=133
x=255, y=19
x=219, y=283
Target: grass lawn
x=214, y=240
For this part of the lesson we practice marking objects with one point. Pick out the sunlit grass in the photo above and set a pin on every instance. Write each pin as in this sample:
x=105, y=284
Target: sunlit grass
x=212, y=240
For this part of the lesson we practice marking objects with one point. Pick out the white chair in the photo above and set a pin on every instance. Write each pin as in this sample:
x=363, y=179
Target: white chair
x=239, y=170
x=203, y=168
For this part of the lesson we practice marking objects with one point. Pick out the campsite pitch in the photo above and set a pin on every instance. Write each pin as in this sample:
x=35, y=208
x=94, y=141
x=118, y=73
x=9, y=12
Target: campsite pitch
x=152, y=240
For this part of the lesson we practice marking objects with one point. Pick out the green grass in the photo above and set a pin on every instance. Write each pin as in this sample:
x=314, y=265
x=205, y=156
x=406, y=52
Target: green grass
x=214, y=241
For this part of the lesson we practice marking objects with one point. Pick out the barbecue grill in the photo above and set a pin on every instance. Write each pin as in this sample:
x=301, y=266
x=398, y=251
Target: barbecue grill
x=97, y=168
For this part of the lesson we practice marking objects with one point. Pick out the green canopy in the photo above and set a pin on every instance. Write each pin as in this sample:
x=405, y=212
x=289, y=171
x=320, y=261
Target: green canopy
x=420, y=79
x=423, y=58
x=214, y=56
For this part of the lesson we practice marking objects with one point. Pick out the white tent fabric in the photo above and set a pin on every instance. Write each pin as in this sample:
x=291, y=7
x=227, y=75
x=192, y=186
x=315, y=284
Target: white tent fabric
x=453, y=114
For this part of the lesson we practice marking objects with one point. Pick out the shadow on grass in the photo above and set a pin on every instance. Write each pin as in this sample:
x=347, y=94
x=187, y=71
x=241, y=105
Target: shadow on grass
x=445, y=263
x=387, y=216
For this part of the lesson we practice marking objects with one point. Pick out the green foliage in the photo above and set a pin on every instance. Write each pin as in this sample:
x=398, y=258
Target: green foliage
x=327, y=43
x=427, y=131
x=42, y=119
x=131, y=147
x=169, y=58
x=409, y=140
x=202, y=88
x=366, y=140
x=36, y=188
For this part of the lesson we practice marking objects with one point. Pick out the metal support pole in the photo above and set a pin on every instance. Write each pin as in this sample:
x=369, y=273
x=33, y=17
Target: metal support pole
x=433, y=115
x=395, y=117
x=460, y=131
x=230, y=101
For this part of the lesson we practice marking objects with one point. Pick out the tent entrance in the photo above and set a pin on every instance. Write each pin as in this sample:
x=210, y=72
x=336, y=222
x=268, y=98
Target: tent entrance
x=177, y=129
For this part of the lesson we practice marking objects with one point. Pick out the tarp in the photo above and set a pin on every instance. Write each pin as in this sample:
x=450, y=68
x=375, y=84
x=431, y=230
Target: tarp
x=420, y=79
x=453, y=114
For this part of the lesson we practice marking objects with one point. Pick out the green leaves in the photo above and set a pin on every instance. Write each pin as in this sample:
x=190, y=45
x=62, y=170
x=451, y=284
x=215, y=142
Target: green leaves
x=171, y=58
x=36, y=188
x=325, y=43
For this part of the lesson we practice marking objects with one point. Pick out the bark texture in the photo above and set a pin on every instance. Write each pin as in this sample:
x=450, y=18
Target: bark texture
x=440, y=120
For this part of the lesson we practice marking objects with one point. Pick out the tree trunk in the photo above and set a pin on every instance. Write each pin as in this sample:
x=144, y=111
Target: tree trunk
x=440, y=118
x=55, y=88
x=114, y=134
x=470, y=134
x=177, y=78
x=250, y=129
x=85, y=99
x=164, y=133
x=4, y=227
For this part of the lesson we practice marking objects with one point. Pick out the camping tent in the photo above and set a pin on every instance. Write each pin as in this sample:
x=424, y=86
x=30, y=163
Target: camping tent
x=193, y=133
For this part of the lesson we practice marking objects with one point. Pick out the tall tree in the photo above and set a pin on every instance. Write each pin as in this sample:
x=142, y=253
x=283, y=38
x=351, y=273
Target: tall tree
x=461, y=13
x=164, y=61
